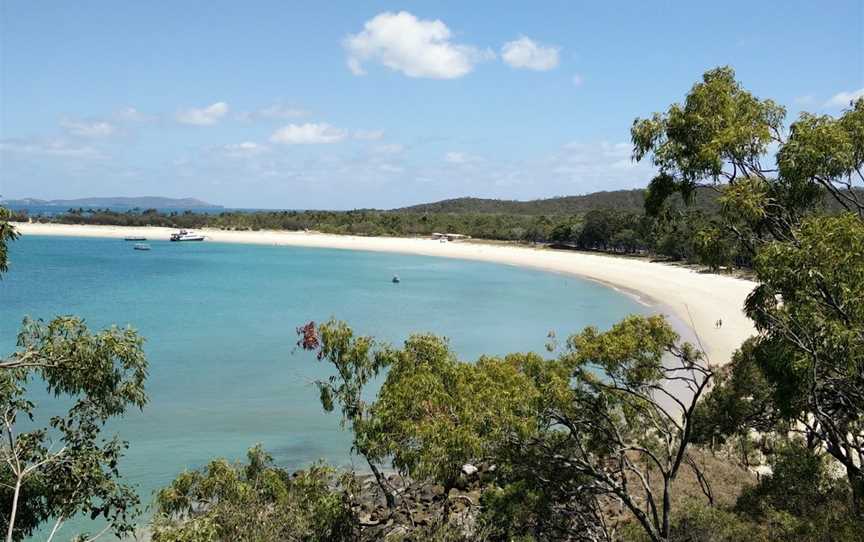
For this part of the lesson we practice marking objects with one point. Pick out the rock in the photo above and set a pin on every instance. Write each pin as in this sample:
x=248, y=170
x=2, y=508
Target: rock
x=367, y=520
x=469, y=469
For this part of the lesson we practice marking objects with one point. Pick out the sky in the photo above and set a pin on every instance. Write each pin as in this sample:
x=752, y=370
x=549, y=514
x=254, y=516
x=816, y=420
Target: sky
x=339, y=105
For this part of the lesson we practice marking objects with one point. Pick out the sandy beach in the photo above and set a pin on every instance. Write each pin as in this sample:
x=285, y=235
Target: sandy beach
x=697, y=299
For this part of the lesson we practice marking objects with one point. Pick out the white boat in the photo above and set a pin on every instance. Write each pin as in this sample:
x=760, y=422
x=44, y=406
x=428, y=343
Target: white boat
x=186, y=235
x=141, y=246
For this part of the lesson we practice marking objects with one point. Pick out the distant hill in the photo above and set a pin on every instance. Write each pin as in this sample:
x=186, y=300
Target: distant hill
x=144, y=202
x=624, y=200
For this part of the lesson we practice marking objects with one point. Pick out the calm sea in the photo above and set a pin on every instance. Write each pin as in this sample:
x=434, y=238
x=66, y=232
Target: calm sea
x=220, y=318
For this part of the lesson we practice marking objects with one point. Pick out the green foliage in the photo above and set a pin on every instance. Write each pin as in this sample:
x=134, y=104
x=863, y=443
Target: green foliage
x=68, y=468
x=714, y=248
x=741, y=400
x=7, y=234
x=808, y=309
x=255, y=502
x=718, y=123
x=433, y=414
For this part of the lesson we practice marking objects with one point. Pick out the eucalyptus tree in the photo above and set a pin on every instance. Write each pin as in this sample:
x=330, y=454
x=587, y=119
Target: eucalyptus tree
x=357, y=361
x=66, y=467
x=615, y=426
x=810, y=268
x=432, y=414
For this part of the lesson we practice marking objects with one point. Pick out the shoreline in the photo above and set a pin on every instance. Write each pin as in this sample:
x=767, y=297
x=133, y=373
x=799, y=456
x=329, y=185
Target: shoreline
x=696, y=299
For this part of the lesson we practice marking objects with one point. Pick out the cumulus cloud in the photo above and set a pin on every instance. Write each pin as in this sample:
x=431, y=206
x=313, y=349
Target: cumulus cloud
x=369, y=135
x=307, y=134
x=528, y=54
x=843, y=99
x=93, y=129
x=206, y=116
x=275, y=111
x=415, y=47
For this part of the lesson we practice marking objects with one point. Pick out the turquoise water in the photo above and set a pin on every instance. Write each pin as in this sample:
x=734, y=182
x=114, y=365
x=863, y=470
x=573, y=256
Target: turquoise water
x=220, y=318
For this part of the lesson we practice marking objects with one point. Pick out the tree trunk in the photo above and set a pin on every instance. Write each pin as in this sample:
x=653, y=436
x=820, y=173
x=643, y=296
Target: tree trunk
x=15, y=496
x=382, y=483
x=667, y=505
x=856, y=480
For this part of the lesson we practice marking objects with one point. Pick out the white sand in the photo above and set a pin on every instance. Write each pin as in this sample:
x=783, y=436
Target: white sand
x=698, y=299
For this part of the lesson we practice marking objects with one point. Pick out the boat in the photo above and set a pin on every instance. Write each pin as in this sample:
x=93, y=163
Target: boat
x=396, y=279
x=186, y=235
x=141, y=246
x=134, y=238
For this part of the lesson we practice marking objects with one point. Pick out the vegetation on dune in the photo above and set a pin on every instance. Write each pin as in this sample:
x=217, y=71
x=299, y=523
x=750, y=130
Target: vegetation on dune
x=625, y=434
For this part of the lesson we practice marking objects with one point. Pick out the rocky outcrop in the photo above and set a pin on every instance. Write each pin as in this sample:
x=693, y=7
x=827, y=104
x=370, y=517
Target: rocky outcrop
x=421, y=507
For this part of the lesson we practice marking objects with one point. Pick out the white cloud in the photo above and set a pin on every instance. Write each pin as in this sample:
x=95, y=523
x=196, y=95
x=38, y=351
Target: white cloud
x=415, y=47
x=206, y=116
x=55, y=147
x=309, y=133
x=130, y=114
x=459, y=158
x=842, y=99
x=244, y=149
x=94, y=129
x=528, y=54
x=369, y=135
x=275, y=111
x=578, y=80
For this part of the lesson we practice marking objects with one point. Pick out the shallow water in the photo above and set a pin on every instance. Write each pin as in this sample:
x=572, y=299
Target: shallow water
x=220, y=318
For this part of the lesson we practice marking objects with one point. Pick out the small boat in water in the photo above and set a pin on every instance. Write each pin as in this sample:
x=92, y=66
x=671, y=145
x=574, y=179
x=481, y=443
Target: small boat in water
x=134, y=238
x=396, y=279
x=141, y=246
x=186, y=235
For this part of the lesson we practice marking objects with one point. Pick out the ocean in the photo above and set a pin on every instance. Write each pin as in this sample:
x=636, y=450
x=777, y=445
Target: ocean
x=220, y=322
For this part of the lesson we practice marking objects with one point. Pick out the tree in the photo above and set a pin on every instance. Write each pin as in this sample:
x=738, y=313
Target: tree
x=435, y=414
x=614, y=423
x=7, y=234
x=808, y=310
x=357, y=361
x=810, y=267
x=432, y=414
x=68, y=467
x=255, y=502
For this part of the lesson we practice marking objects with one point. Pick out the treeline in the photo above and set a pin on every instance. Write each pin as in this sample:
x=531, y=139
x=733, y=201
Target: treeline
x=606, y=221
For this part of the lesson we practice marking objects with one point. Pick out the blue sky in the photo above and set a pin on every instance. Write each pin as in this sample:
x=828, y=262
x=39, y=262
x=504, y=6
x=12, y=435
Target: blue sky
x=380, y=104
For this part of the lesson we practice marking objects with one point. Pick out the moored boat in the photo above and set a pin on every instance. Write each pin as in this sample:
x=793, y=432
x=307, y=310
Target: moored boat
x=141, y=246
x=134, y=238
x=186, y=235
